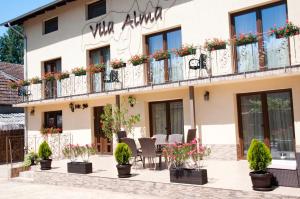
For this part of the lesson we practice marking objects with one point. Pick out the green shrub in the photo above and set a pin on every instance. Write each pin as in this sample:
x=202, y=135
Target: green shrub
x=32, y=156
x=44, y=151
x=259, y=156
x=122, y=153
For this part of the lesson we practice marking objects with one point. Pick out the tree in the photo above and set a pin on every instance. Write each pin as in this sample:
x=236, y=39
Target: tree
x=11, y=46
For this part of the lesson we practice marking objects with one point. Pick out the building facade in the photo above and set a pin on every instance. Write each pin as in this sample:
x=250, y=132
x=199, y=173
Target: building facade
x=246, y=89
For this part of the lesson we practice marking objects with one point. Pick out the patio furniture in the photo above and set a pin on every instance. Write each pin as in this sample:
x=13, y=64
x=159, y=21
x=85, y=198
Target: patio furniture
x=191, y=135
x=135, y=151
x=175, y=138
x=149, y=151
x=160, y=139
x=120, y=135
x=286, y=172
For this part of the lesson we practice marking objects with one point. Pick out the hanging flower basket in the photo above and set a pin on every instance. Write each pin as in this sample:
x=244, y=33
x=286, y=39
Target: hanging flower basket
x=117, y=63
x=185, y=51
x=215, y=44
x=161, y=55
x=288, y=30
x=35, y=80
x=61, y=76
x=49, y=76
x=97, y=68
x=79, y=71
x=138, y=60
x=245, y=39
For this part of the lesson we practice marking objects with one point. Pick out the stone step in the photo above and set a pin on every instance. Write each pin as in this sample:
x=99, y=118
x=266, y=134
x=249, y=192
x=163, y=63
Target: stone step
x=26, y=174
x=22, y=179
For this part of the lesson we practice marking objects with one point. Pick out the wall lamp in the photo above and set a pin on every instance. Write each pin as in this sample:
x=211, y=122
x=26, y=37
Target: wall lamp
x=206, y=96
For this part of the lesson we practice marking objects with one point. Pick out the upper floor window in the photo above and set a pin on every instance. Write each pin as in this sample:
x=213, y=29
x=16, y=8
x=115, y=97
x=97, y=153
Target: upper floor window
x=266, y=51
x=53, y=119
x=51, y=25
x=96, y=9
x=165, y=70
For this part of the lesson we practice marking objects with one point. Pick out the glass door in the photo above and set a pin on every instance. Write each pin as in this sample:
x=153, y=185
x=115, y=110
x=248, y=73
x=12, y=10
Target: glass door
x=51, y=67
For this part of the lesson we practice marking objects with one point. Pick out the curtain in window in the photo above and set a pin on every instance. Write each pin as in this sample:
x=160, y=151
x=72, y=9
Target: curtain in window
x=159, y=120
x=276, y=50
x=156, y=67
x=281, y=125
x=176, y=117
x=95, y=59
x=175, y=63
x=247, y=55
x=108, y=68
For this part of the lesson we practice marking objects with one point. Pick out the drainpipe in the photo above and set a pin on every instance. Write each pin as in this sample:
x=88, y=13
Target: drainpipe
x=25, y=77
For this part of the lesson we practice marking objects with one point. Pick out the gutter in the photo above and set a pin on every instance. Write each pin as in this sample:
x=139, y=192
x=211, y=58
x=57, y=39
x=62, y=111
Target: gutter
x=25, y=78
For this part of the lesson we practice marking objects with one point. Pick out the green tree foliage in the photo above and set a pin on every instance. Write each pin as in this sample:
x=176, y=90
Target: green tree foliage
x=122, y=153
x=11, y=46
x=259, y=156
x=44, y=151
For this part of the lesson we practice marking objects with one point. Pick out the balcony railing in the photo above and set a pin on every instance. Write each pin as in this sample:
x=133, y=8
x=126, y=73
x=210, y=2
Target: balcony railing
x=204, y=64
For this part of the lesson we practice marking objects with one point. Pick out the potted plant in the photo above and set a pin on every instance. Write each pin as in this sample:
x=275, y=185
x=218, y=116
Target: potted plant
x=122, y=156
x=49, y=76
x=288, y=30
x=117, y=63
x=161, y=55
x=61, y=76
x=73, y=152
x=23, y=83
x=259, y=158
x=13, y=85
x=138, y=59
x=30, y=159
x=44, y=154
x=35, y=80
x=244, y=39
x=51, y=130
x=131, y=101
x=186, y=50
x=182, y=172
x=97, y=68
x=215, y=44
x=79, y=71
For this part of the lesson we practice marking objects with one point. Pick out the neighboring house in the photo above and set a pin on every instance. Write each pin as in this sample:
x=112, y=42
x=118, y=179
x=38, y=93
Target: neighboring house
x=250, y=89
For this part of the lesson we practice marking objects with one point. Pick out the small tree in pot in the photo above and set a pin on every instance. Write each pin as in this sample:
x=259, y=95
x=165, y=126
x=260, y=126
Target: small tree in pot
x=259, y=158
x=122, y=156
x=44, y=154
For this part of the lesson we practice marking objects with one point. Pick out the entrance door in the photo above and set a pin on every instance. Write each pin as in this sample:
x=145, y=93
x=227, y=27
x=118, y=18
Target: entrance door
x=103, y=144
x=267, y=116
x=166, y=117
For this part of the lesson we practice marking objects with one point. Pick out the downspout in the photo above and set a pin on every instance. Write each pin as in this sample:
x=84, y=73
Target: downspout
x=25, y=78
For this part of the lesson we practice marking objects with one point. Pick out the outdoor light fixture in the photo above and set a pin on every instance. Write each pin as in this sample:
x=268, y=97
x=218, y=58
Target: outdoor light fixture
x=71, y=106
x=32, y=111
x=206, y=96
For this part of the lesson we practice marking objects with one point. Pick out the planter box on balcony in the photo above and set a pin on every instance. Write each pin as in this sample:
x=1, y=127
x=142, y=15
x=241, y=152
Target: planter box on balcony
x=80, y=167
x=188, y=176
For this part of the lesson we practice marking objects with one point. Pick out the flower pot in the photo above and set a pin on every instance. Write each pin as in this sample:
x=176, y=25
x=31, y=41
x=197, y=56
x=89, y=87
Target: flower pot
x=261, y=181
x=186, y=53
x=124, y=170
x=46, y=164
x=117, y=66
x=80, y=167
x=188, y=176
x=32, y=160
x=217, y=47
x=161, y=58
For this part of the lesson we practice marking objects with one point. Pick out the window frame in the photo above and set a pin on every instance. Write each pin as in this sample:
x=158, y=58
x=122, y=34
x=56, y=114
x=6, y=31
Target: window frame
x=55, y=114
x=257, y=10
x=44, y=25
x=87, y=16
x=165, y=47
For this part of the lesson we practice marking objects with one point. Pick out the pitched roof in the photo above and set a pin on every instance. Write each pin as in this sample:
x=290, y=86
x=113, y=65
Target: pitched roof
x=41, y=10
x=9, y=72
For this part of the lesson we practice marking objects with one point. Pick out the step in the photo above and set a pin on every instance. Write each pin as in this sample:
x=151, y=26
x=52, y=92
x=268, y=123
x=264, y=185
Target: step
x=22, y=179
x=27, y=174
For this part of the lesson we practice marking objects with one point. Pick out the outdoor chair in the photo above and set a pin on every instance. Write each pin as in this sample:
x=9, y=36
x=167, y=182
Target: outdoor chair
x=120, y=135
x=134, y=150
x=175, y=138
x=160, y=139
x=191, y=135
x=149, y=150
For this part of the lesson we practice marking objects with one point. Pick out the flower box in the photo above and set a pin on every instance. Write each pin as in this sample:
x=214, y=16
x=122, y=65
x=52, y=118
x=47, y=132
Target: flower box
x=61, y=76
x=288, y=30
x=161, y=55
x=245, y=39
x=79, y=71
x=138, y=60
x=49, y=76
x=117, y=63
x=188, y=176
x=35, y=80
x=80, y=167
x=185, y=51
x=97, y=68
x=215, y=44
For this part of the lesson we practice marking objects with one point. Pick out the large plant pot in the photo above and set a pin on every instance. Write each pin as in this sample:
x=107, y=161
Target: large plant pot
x=80, y=167
x=124, y=170
x=188, y=176
x=46, y=164
x=261, y=181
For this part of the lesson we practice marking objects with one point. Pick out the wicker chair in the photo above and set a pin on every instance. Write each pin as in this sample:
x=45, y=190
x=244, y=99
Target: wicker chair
x=135, y=152
x=160, y=139
x=120, y=135
x=191, y=135
x=175, y=138
x=149, y=150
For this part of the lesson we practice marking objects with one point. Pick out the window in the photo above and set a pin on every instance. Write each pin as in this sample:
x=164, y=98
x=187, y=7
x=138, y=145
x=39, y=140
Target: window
x=51, y=25
x=165, y=70
x=53, y=66
x=53, y=119
x=96, y=9
x=268, y=51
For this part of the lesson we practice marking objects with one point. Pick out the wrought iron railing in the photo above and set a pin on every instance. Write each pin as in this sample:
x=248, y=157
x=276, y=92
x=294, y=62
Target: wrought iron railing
x=204, y=64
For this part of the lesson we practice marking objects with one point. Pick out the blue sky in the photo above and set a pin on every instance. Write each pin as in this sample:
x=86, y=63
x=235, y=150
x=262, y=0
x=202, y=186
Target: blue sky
x=10, y=9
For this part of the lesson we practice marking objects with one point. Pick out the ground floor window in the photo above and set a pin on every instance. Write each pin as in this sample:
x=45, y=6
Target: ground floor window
x=166, y=117
x=267, y=116
x=53, y=119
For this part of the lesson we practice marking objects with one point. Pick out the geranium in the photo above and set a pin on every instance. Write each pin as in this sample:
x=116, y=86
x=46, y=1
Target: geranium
x=13, y=85
x=23, y=83
x=117, y=63
x=289, y=29
x=177, y=154
x=96, y=68
x=35, y=80
x=138, y=59
x=50, y=76
x=79, y=71
x=244, y=39
x=185, y=50
x=160, y=55
x=215, y=44
x=51, y=130
x=62, y=75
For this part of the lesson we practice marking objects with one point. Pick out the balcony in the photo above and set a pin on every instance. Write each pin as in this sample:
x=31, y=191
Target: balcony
x=204, y=67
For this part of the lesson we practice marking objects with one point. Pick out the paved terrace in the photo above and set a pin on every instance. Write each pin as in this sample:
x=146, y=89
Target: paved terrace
x=227, y=179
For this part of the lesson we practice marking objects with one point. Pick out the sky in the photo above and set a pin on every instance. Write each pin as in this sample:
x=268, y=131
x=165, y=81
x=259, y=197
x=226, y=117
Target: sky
x=10, y=9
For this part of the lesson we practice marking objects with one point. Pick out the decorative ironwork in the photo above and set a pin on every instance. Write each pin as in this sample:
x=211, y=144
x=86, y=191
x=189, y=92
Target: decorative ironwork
x=200, y=63
x=112, y=77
